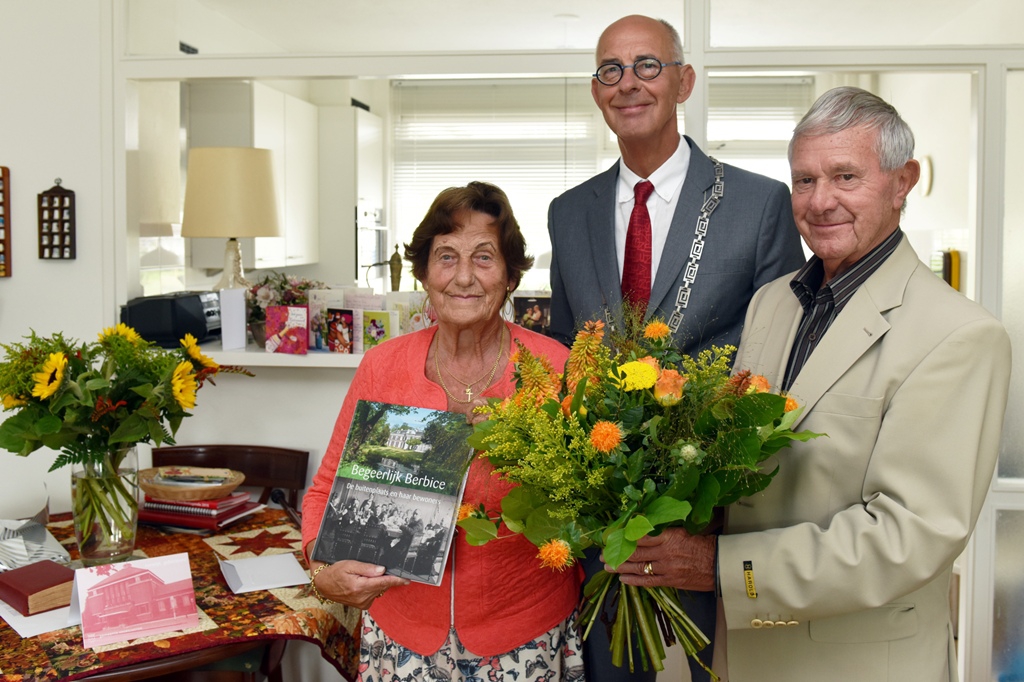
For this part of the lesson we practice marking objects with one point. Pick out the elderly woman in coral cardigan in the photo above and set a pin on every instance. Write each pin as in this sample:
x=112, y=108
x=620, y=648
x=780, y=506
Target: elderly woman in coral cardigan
x=497, y=611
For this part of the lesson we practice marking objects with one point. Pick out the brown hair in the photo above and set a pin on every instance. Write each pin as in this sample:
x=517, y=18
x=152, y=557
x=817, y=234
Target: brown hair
x=442, y=217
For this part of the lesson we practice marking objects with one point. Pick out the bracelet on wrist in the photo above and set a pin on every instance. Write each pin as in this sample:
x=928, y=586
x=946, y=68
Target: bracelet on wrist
x=312, y=584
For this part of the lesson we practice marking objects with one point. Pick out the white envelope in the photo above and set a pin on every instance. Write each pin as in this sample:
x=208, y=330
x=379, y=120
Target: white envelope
x=263, y=572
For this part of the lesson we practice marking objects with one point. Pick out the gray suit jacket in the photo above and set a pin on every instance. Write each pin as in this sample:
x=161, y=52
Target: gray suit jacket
x=850, y=548
x=751, y=240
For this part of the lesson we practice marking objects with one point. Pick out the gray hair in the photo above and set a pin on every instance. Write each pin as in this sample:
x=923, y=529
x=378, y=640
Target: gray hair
x=848, y=107
x=677, y=42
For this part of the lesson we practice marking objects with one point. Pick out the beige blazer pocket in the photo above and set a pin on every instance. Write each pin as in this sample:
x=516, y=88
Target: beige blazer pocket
x=849, y=405
x=882, y=624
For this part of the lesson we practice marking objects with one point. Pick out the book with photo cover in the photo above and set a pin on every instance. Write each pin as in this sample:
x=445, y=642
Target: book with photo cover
x=395, y=497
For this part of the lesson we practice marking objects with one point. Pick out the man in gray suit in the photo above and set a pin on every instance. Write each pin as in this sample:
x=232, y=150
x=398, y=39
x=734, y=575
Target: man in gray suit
x=717, y=233
x=841, y=568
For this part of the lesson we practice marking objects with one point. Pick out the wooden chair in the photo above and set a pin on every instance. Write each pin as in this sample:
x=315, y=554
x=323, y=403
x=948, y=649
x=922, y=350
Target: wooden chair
x=264, y=466
x=272, y=469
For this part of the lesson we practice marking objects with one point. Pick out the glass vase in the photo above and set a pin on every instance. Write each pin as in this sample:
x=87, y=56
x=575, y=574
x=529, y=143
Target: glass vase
x=105, y=508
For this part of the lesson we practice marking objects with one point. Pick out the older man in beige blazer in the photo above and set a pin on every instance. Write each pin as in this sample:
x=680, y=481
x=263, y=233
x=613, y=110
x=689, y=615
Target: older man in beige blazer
x=840, y=569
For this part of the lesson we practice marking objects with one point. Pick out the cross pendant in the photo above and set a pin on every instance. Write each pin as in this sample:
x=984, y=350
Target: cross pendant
x=469, y=393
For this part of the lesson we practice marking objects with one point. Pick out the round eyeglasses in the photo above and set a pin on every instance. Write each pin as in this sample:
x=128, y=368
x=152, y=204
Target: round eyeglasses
x=645, y=69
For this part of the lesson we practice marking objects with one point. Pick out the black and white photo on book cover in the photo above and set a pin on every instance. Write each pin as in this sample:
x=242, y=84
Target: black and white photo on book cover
x=397, y=490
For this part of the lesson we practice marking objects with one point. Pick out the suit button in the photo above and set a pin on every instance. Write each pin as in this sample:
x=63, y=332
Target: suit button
x=768, y=624
x=780, y=623
x=793, y=622
x=757, y=624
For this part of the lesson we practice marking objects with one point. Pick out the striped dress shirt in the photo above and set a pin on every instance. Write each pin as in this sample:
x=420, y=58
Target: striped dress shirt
x=822, y=303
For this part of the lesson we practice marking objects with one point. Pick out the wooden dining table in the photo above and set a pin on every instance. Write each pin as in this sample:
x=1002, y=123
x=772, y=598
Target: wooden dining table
x=225, y=619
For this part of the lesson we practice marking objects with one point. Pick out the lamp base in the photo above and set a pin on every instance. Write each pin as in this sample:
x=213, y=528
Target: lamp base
x=232, y=277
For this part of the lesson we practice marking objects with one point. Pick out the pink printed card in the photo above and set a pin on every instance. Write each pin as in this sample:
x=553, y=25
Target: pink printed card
x=133, y=599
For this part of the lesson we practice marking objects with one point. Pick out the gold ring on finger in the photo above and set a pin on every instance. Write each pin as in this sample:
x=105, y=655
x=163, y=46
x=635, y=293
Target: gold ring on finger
x=648, y=568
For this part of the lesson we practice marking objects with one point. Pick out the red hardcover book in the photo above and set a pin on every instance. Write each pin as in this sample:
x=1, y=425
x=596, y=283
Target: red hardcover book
x=159, y=517
x=202, y=507
x=38, y=587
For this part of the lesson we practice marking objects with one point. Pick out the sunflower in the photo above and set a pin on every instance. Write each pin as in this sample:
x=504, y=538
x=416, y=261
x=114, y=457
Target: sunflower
x=49, y=378
x=122, y=330
x=183, y=385
x=555, y=554
x=191, y=347
x=10, y=402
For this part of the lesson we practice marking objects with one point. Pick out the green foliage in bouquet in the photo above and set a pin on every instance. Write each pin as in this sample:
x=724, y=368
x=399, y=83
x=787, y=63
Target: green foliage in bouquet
x=624, y=444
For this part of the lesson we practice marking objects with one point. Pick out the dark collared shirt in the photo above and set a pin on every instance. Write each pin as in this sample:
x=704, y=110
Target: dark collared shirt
x=823, y=303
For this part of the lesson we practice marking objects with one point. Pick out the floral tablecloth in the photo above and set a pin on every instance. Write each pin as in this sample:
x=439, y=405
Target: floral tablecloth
x=225, y=618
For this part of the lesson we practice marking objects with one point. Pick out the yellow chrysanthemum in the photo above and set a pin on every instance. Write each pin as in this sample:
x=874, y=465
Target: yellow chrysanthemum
x=191, y=347
x=637, y=376
x=605, y=436
x=656, y=330
x=183, y=385
x=120, y=330
x=555, y=554
x=10, y=402
x=49, y=378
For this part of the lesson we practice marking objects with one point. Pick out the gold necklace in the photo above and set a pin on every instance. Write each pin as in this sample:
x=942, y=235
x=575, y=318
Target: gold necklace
x=469, y=387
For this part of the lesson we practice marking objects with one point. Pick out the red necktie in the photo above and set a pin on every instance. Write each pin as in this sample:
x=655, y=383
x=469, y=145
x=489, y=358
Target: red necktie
x=636, y=269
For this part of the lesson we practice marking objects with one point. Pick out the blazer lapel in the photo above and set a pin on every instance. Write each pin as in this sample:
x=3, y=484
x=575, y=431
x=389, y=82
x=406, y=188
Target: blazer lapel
x=700, y=176
x=859, y=326
x=600, y=226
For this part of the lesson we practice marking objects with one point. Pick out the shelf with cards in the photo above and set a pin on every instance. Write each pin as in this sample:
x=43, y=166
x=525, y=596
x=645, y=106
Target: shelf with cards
x=254, y=356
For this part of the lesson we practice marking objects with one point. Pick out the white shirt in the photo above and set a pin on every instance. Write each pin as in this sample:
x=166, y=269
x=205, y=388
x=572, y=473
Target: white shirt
x=667, y=181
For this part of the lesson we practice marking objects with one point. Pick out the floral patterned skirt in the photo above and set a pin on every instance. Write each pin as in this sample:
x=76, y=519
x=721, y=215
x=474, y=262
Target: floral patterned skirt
x=555, y=655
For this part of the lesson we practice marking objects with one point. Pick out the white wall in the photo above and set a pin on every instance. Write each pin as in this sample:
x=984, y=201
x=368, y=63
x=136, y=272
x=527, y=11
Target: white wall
x=50, y=127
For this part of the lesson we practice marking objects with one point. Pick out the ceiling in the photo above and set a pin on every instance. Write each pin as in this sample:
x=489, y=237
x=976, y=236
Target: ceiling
x=460, y=26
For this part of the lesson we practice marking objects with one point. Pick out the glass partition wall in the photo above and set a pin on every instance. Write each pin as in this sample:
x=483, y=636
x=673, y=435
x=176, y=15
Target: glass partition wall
x=507, y=97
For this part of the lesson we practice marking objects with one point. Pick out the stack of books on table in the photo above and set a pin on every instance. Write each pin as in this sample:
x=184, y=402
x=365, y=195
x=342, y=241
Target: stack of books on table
x=198, y=514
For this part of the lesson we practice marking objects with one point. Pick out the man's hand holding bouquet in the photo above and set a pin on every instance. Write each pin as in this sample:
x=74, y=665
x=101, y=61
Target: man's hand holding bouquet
x=629, y=441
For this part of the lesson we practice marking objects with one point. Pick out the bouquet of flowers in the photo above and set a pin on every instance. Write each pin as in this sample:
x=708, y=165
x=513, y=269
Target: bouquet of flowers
x=277, y=288
x=93, y=401
x=625, y=444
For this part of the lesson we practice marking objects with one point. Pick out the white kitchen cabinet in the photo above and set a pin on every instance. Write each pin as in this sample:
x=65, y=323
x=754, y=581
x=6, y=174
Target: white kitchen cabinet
x=248, y=114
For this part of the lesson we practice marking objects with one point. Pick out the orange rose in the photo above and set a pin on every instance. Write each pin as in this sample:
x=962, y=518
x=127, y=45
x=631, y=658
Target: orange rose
x=669, y=388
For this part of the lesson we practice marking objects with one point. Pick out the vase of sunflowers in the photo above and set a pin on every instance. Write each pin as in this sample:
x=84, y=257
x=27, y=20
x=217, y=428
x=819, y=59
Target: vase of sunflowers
x=93, y=402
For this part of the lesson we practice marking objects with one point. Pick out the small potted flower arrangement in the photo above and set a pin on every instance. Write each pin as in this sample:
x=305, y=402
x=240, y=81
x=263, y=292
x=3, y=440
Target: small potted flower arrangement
x=93, y=402
x=275, y=288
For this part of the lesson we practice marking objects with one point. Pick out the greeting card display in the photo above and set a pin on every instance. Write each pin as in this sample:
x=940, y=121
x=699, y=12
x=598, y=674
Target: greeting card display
x=413, y=310
x=320, y=300
x=378, y=327
x=287, y=329
x=340, y=326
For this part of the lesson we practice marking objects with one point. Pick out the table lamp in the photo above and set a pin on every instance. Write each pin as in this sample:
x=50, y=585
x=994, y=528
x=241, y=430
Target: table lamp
x=229, y=193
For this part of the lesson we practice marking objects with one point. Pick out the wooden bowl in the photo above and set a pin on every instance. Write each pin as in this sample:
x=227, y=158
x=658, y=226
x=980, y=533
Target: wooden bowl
x=163, y=491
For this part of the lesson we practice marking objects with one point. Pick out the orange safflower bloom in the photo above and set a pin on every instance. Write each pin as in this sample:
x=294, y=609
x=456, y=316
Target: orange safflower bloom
x=605, y=436
x=466, y=510
x=555, y=554
x=656, y=330
x=669, y=389
x=757, y=384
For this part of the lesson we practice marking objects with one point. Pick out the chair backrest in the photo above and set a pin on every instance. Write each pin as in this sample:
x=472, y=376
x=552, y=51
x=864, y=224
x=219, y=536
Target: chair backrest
x=264, y=466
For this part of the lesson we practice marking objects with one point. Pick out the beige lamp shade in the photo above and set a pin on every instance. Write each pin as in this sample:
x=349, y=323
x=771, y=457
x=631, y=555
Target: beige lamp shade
x=229, y=192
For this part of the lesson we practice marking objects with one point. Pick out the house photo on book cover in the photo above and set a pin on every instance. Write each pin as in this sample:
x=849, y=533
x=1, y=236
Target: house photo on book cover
x=397, y=490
